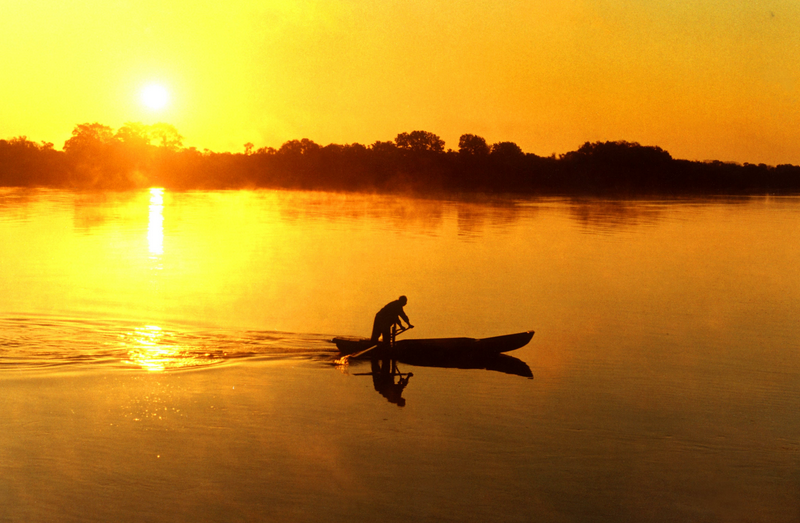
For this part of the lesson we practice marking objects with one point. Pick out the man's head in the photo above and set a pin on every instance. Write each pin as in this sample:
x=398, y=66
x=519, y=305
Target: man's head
x=403, y=300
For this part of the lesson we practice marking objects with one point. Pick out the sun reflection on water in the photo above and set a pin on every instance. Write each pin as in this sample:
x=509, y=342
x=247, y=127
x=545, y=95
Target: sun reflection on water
x=152, y=349
x=155, y=224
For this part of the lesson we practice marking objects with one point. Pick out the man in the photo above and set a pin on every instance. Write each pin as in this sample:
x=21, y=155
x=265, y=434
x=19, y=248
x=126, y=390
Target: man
x=387, y=317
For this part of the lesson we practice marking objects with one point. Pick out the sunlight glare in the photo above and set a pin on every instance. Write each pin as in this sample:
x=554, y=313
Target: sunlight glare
x=155, y=225
x=148, y=351
x=153, y=350
x=155, y=96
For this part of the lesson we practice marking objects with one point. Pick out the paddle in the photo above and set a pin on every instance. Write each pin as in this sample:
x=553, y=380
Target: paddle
x=346, y=358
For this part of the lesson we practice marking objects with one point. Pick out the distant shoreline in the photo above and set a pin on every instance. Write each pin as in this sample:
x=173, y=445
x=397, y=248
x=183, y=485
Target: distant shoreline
x=138, y=156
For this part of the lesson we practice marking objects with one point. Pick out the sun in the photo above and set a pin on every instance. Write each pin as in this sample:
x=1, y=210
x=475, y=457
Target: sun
x=155, y=96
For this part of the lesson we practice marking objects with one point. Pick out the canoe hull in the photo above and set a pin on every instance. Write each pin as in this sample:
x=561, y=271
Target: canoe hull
x=438, y=349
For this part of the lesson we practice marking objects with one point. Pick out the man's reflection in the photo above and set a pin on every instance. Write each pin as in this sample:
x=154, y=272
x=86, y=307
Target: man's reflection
x=384, y=371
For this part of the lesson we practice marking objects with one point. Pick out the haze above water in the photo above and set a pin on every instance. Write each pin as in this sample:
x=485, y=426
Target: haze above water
x=170, y=350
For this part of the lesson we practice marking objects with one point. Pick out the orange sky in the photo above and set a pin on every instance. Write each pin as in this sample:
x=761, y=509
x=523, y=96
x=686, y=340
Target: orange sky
x=704, y=79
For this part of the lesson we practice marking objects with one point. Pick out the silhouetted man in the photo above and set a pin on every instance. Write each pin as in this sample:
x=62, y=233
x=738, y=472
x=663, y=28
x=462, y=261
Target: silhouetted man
x=387, y=317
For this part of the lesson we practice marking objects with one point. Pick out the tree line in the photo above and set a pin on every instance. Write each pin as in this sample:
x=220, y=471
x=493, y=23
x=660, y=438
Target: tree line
x=138, y=155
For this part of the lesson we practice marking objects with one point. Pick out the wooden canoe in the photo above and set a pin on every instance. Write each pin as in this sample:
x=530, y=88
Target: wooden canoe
x=438, y=349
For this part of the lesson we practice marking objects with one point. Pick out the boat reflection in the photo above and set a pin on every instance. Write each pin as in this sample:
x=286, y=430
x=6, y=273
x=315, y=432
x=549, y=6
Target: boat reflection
x=390, y=382
x=500, y=363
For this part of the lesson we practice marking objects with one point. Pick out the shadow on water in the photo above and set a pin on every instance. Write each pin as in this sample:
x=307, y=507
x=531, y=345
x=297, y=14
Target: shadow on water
x=500, y=363
x=390, y=381
x=384, y=372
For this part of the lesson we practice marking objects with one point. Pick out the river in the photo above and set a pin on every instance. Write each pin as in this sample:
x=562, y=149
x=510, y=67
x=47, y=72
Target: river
x=166, y=356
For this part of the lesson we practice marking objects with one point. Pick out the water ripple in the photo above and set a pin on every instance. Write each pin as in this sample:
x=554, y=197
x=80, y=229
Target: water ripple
x=43, y=342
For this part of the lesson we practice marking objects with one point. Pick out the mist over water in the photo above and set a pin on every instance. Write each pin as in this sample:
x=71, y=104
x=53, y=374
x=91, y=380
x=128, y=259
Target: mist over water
x=167, y=353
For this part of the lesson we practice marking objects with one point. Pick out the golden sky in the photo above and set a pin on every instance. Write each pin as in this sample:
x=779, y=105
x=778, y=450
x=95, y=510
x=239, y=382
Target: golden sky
x=704, y=79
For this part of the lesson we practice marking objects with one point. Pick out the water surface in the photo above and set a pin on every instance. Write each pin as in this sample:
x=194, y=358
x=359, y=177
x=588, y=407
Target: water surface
x=166, y=357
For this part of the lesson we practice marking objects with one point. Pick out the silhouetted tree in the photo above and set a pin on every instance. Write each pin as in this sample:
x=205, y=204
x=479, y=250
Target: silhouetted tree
x=136, y=150
x=507, y=165
x=89, y=139
x=27, y=163
x=507, y=151
x=139, y=155
x=621, y=153
x=166, y=136
x=472, y=145
x=620, y=167
x=304, y=147
x=95, y=158
x=297, y=163
x=418, y=141
x=134, y=134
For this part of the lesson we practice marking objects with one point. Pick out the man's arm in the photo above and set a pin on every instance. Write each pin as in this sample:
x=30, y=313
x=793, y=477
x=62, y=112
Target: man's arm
x=403, y=315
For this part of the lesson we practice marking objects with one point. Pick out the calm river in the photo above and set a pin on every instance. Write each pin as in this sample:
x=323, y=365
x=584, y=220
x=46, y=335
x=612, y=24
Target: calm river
x=166, y=357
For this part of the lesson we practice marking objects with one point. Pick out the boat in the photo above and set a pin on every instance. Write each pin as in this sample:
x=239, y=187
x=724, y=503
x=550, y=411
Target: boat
x=436, y=351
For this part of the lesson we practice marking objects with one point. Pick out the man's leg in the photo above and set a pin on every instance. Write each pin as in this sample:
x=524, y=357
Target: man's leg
x=386, y=333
